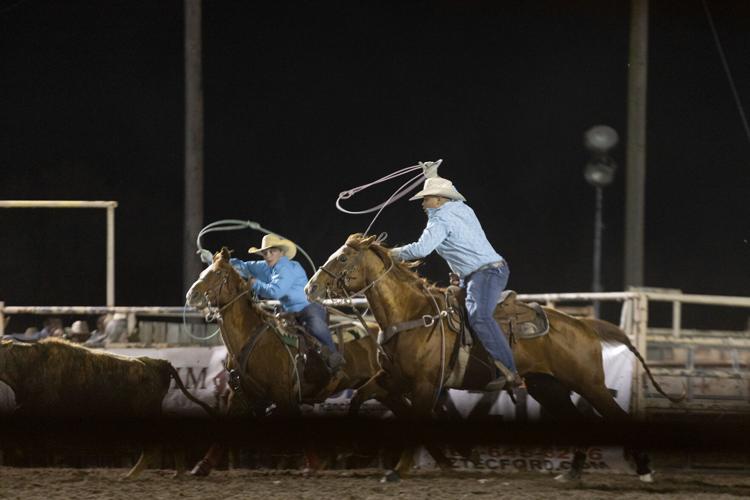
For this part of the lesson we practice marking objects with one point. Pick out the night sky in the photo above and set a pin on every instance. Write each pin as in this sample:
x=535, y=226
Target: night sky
x=306, y=99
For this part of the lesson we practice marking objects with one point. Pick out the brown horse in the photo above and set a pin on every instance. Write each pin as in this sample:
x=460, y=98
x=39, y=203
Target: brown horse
x=263, y=351
x=417, y=362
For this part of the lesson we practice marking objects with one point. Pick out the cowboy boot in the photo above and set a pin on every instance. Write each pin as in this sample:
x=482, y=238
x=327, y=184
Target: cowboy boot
x=335, y=361
x=505, y=380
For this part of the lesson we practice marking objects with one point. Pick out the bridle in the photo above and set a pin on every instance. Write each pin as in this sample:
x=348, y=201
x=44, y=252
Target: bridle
x=215, y=311
x=342, y=278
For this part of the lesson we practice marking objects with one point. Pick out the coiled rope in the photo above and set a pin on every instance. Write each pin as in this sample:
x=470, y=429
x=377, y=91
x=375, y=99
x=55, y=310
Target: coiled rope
x=402, y=191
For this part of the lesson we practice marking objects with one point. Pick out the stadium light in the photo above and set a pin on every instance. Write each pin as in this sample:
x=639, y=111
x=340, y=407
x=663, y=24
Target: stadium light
x=599, y=172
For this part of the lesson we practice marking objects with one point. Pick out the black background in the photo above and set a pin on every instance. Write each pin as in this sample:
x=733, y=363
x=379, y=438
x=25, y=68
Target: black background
x=306, y=99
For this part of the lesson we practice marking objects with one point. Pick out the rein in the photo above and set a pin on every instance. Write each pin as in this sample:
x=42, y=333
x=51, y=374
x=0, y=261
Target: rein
x=215, y=313
x=425, y=321
x=341, y=278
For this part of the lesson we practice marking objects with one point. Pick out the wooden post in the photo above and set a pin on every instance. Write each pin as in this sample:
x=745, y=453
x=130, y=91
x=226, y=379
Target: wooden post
x=636, y=147
x=193, y=204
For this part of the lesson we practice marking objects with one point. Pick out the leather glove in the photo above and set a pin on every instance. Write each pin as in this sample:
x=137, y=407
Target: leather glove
x=206, y=256
x=429, y=168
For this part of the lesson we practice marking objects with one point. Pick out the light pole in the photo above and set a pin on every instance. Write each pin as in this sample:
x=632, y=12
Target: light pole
x=599, y=172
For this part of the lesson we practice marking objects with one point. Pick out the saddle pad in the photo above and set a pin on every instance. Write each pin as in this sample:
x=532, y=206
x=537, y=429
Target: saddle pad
x=473, y=369
x=352, y=329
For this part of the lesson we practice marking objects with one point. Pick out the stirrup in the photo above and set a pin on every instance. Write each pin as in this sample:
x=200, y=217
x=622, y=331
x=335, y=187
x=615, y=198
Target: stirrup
x=497, y=385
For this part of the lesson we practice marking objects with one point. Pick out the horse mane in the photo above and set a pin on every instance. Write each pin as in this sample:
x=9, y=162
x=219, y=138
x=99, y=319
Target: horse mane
x=404, y=271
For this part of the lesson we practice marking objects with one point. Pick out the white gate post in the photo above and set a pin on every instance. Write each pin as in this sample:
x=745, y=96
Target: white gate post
x=640, y=327
x=111, y=255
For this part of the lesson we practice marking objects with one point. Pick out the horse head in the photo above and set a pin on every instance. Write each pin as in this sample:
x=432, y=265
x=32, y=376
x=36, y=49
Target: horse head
x=348, y=271
x=218, y=285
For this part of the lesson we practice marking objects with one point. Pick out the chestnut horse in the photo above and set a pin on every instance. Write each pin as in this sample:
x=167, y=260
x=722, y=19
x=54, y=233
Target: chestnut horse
x=263, y=352
x=416, y=362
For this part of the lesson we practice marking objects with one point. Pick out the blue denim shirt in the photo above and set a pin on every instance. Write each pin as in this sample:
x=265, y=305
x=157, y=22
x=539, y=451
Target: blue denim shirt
x=285, y=281
x=453, y=230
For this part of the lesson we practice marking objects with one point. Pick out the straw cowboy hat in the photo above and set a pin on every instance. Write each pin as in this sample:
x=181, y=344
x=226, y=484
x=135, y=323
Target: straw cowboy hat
x=274, y=241
x=438, y=186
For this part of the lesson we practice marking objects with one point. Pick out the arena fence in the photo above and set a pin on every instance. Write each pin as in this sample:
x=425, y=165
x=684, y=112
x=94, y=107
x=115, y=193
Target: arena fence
x=711, y=367
x=108, y=205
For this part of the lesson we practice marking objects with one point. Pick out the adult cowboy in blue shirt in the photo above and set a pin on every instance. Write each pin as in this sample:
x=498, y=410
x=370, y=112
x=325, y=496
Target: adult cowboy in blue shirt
x=280, y=278
x=454, y=232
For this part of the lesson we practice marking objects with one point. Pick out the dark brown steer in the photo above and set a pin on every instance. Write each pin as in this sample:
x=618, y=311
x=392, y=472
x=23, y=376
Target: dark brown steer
x=56, y=378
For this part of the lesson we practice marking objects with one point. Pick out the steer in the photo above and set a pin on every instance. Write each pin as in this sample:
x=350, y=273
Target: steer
x=60, y=379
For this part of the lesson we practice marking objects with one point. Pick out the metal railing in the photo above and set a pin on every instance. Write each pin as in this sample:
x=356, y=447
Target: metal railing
x=634, y=318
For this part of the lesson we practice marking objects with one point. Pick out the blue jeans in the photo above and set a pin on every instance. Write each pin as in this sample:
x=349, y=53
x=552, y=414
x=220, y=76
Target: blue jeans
x=483, y=290
x=313, y=318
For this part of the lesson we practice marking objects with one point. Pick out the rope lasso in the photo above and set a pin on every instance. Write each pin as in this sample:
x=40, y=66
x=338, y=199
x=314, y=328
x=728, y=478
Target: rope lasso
x=402, y=191
x=233, y=225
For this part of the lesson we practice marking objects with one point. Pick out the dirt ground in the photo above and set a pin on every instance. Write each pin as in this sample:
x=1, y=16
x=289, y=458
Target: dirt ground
x=81, y=484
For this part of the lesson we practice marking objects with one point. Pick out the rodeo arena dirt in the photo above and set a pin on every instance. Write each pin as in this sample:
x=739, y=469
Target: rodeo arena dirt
x=151, y=411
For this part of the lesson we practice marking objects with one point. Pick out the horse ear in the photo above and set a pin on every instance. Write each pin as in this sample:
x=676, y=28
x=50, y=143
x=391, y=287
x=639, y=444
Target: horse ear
x=225, y=253
x=366, y=242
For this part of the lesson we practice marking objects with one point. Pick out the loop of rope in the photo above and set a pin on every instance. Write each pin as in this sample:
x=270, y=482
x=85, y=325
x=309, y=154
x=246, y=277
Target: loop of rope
x=235, y=224
x=442, y=379
x=195, y=337
x=402, y=191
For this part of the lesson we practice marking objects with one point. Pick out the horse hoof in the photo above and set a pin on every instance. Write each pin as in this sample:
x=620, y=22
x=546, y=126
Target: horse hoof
x=568, y=477
x=646, y=478
x=390, y=477
x=201, y=469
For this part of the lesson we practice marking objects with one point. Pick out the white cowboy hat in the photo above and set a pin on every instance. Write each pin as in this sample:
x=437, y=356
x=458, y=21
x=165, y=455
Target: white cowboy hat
x=438, y=186
x=274, y=241
x=79, y=327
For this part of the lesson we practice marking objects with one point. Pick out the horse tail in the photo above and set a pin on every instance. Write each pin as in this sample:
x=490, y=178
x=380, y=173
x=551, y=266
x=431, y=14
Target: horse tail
x=609, y=332
x=211, y=412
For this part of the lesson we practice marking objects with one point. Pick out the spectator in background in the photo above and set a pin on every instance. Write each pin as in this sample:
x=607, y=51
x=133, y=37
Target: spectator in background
x=99, y=335
x=79, y=332
x=53, y=327
x=117, y=329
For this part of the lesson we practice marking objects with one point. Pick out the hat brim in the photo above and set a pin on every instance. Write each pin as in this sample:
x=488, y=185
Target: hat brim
x=288, y=250
x=452, y=194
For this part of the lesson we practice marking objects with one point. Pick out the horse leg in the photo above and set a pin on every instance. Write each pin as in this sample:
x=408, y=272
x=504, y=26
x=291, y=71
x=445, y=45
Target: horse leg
x=179, y=462
x=554, y=397
x=422, y=403
x=203, y=468
x=373, y=388
x=147, y=458
x=601, y=399
x=208, y=462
